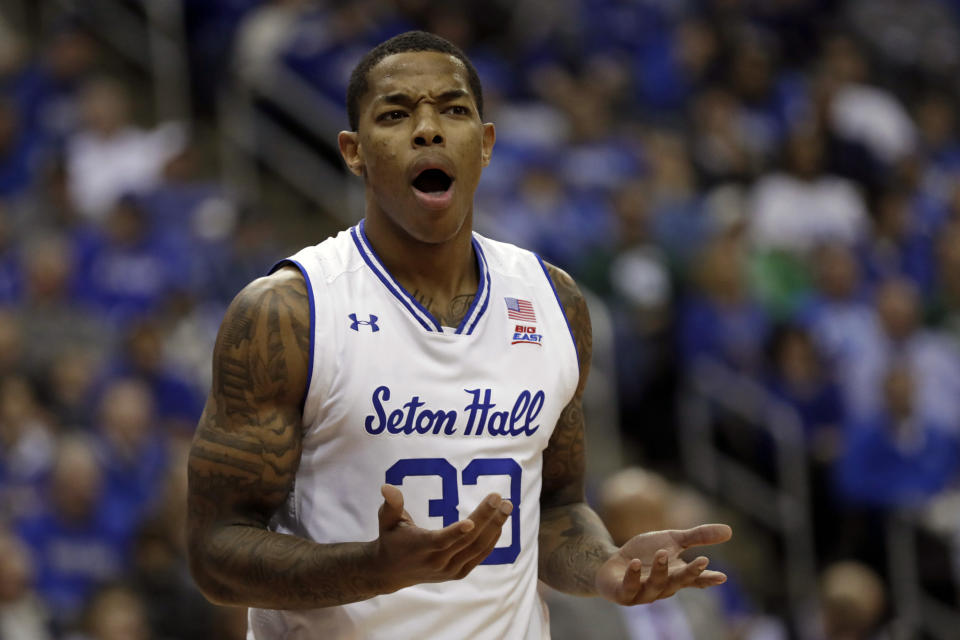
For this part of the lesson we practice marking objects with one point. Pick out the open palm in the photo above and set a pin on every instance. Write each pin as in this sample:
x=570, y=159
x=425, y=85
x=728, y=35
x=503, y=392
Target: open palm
x=649, y=567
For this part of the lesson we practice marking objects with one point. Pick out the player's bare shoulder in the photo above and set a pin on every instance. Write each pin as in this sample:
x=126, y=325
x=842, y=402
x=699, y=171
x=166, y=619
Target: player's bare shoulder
x=264, y=341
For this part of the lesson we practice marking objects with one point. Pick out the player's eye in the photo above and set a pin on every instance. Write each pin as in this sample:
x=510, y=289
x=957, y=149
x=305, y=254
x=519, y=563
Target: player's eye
x=459, y=110
x=396, y=114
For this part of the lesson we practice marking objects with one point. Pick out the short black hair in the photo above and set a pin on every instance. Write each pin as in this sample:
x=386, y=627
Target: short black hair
x=405, y=42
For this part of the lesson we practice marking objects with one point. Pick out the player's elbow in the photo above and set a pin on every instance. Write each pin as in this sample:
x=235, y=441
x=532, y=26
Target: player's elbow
x=203, y=570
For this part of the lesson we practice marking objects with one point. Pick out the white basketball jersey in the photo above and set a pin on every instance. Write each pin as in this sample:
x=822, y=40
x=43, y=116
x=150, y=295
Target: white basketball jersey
x=446, y=414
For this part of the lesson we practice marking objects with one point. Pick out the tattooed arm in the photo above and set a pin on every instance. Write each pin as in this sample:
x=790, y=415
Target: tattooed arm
x=574, y=543
x=245, y=454
x=577, y=554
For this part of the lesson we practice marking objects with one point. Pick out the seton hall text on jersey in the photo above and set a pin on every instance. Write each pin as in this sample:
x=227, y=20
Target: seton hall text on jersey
x=413, y=416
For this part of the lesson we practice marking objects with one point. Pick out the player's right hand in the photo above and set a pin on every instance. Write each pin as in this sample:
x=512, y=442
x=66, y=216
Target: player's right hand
x=407, y=554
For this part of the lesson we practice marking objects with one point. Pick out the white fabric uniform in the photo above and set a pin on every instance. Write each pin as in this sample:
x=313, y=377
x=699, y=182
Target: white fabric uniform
x=447, y=414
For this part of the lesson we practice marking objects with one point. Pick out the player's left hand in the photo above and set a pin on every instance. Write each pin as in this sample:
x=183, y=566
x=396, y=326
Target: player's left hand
x=649, y=567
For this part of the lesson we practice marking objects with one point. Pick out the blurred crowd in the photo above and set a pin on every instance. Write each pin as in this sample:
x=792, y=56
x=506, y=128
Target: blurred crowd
x=769, y=185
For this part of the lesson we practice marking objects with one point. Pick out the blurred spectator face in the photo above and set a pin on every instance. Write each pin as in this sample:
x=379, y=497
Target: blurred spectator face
x=145, y=348
x=852, y=599
x=696, y=46
x=76, y=481
x=936, y=120
x=11, y=342
x=541, y=189
x=898, y=308
x=71, y=377
x=183, y=166
x=126, y=415
x=118, y=614
x=6, y=231
x=838, y=274
x=948, y=259
x=70, y=54
x=955, y=203
x=16, y=573
x=721, y=272
x=796, y=358
x=12, y=51
x=18, y=407
x=898, y=393
x=104, y=107
x=126, y=223
x=450, y=22
x=631, y=206
x=8, y=126
x=893, y=215
x=843, y=60
x=751, y=70
x=48, y=264
x=805, y=154
x=716, y=112
x=671, y=169
x=634, y=501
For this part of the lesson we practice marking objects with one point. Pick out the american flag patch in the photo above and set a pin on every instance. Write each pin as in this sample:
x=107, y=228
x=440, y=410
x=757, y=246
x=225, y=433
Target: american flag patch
x=520, y=310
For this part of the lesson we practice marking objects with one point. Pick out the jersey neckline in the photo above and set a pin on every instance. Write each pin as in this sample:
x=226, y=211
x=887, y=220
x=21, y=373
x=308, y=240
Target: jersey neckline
x=478, y=305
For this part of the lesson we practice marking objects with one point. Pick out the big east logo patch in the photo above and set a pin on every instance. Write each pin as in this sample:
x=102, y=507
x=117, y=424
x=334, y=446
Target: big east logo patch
x=524, y=334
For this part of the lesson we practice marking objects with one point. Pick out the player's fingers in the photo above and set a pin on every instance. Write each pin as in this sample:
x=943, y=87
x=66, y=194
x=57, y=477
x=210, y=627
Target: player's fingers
x=391, y=511
x=487, y=509
x=476, y=553
x=702, y=535
x=486, y=539
x=454, y=534
x=632, y=581
x=487, y=512
x=659, y=576
x=710, y=579
x=688, y=575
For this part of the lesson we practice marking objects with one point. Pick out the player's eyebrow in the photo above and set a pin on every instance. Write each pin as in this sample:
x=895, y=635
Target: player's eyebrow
x=406, y=100
x=453, y=94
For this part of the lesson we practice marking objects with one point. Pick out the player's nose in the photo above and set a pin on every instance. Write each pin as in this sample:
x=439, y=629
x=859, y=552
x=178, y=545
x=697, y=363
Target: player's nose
x=427, y=131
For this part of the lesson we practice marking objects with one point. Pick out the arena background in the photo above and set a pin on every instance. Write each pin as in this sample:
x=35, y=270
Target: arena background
x=761, y=198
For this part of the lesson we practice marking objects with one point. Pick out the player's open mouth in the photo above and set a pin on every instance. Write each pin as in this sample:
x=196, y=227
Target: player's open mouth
x=433, y=187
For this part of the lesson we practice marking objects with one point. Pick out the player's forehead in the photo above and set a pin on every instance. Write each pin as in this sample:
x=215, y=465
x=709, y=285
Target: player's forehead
x=415, y=73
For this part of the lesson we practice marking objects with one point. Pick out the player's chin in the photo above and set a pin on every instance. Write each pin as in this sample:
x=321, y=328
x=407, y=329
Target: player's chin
x=437, y=227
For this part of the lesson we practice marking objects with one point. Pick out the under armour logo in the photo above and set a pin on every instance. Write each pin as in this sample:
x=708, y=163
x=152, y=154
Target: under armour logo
x=372, y=323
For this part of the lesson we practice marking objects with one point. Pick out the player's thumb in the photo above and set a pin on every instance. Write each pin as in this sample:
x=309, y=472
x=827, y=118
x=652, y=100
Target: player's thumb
x=391, y=511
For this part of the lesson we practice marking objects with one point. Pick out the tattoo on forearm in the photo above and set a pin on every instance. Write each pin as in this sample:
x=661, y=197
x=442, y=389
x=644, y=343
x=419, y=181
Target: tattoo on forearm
x=573, y=545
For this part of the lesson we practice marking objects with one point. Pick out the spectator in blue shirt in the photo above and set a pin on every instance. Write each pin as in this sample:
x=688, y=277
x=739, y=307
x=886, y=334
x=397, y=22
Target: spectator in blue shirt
x=127, y=271
x=131, y=450
x=799, y=379
x=75, y=540
x=175, y=400
x=897, y=456
x=721, y=321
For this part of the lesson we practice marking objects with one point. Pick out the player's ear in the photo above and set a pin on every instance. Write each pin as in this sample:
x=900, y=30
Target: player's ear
x=489, y=137
x=349, y=143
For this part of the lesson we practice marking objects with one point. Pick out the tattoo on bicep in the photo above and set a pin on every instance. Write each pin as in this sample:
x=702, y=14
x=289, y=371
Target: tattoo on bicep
x=263, y=339
x=564, y=461
x=575, y=308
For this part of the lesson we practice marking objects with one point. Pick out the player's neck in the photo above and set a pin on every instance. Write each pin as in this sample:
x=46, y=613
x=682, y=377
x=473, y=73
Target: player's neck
x=438, y=271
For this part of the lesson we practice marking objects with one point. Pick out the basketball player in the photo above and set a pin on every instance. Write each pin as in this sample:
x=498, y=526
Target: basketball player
x=377, y=394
